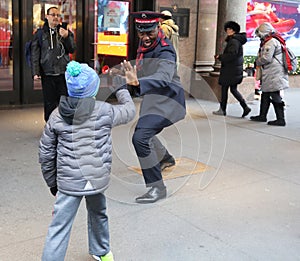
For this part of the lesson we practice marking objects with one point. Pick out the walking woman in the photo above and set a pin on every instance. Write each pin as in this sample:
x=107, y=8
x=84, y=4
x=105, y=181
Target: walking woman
x=231, y=73
x=274, y=77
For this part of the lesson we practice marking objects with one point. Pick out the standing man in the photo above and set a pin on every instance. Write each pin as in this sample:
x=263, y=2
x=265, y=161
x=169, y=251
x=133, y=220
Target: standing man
x=50, y=51
x=155, y=78
x=171, y=30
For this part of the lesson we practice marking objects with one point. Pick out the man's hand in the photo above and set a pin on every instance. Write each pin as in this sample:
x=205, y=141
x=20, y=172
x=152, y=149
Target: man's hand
x=63, y=32
x=36, y=77
x=130, y=73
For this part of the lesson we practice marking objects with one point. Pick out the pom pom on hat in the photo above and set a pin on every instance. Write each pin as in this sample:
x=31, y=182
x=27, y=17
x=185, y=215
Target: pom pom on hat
x=74, y=68
x=82, y=81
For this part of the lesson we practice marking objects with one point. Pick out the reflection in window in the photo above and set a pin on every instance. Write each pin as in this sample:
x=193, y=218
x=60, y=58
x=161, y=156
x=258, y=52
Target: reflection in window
x=111, y=35
x=6, y=52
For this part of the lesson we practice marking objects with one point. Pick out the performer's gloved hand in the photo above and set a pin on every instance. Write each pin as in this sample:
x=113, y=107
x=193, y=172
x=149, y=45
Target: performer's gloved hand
x=53, y=190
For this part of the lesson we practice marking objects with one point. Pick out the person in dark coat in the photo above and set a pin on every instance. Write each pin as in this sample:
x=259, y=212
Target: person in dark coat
x=155, y=78
x=49, y=58
x=231, y=73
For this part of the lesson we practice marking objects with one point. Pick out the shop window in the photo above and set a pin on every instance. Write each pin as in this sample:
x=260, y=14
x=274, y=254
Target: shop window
x=6, y=81
x=111, y=33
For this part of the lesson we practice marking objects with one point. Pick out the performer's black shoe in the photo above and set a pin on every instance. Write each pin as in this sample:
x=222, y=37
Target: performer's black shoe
x=167, y=162
x=153, y=195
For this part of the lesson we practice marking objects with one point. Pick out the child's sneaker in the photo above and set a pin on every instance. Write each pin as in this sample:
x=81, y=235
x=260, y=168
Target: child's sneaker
x=108, y=257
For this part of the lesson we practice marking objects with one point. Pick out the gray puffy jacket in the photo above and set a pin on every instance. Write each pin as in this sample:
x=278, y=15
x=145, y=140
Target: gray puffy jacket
x=274, y=76
x=75, y=149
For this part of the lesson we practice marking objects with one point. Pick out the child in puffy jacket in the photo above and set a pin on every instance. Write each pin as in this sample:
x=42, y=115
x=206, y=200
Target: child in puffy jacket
x=75, y=154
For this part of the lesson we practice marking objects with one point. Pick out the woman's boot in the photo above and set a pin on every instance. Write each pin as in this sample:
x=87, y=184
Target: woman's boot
x=245, y=108
x=221, y=110
x=264, y=107
x=279, y=111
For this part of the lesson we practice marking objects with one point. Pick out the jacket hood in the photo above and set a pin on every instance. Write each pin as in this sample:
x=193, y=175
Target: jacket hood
x=76, y=111
x=264, y=30
x=241, y=37
x=171, y=23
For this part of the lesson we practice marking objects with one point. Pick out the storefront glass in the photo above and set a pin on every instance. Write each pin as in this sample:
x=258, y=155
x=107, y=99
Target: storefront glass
x=283, y=15
x=111, y=36
x=6, y=51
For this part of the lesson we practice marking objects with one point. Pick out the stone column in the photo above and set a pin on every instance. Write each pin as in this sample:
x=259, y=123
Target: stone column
x=207, y=87
x=234, y=10
x=206, y=35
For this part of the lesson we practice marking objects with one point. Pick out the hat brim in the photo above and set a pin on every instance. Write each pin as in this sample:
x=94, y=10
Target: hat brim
x=146, y=27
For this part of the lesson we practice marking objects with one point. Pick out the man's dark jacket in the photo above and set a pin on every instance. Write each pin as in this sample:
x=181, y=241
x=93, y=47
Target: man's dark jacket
x=52, y=57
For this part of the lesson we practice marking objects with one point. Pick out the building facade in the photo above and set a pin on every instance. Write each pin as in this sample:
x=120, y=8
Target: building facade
x=105, y=35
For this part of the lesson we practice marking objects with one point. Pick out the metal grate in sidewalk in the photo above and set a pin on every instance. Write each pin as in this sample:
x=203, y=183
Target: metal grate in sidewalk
x=183, y=167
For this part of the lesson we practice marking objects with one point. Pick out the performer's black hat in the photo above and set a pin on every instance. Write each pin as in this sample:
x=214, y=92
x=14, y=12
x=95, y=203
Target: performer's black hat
x=146, y=21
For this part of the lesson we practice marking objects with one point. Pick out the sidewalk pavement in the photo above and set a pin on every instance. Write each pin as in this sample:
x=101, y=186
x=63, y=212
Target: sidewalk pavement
x=245, y=206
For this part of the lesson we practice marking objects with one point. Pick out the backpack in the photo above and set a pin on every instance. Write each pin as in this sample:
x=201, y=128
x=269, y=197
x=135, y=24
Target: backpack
x=289, y=59
x=28, y=47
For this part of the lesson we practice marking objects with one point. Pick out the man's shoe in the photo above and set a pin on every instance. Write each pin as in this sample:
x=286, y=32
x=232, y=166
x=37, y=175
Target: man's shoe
x=219, y=112
x=258, y=118
x=108, y=257
x=246, y=111
x=166, y=163
x=152, y=195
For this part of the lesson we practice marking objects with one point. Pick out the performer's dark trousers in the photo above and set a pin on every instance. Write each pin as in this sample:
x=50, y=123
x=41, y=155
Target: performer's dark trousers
x=149, y=155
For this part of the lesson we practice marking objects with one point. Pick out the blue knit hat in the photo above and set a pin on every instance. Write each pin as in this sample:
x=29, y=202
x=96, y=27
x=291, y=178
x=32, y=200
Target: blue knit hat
x=82, y=80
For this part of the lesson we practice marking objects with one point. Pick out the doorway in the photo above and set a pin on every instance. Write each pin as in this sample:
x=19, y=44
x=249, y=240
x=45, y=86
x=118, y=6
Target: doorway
x=6, y=48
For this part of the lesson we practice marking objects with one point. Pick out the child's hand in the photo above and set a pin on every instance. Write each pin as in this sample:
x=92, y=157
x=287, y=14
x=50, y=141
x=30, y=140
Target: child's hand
x=53, y=190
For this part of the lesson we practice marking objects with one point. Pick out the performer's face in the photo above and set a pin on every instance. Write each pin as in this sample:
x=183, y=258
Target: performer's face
x=147, y=38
